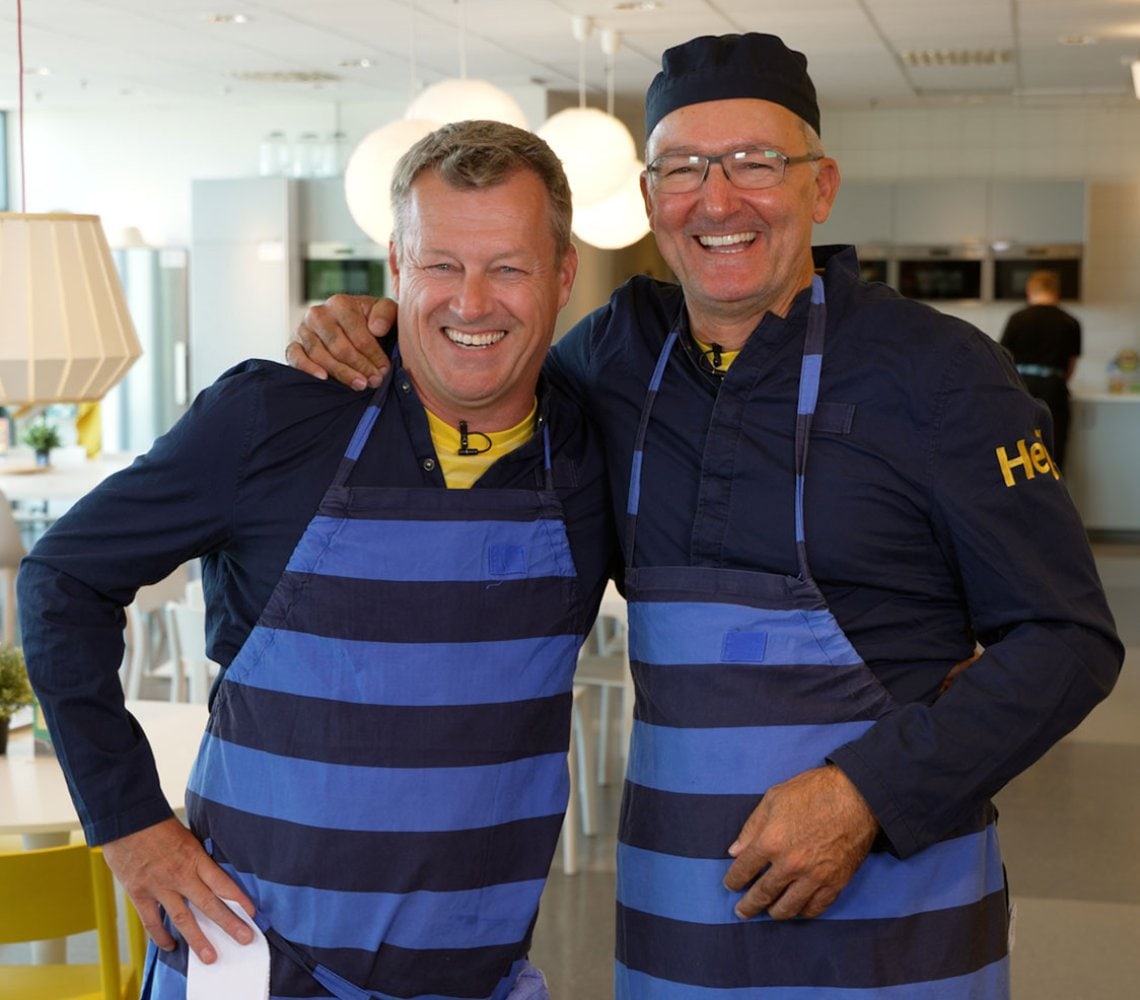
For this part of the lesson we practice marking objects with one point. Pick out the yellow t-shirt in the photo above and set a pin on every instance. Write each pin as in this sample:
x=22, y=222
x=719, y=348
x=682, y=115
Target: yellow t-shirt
x=718, y=360
x=461, y=471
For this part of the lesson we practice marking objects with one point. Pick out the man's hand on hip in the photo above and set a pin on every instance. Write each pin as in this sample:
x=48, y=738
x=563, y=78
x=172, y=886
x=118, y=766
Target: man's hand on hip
x=800, y=846
x=165, y=865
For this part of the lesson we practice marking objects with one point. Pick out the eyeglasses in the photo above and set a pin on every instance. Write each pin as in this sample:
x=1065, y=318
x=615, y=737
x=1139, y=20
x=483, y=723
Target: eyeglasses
x=749, y=169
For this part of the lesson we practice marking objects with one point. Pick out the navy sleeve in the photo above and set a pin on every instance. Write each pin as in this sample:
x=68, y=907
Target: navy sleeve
x=568, y=363
x=1005, y=522
x=138, y=526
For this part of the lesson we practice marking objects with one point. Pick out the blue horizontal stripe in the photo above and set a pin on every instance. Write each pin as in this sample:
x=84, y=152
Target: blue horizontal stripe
x=380, y=673
x=432, y=550
x=951, y=873
x=990, y=982
x=321, y=918
x=731, y=761
x=682, y=632
x=350, y=797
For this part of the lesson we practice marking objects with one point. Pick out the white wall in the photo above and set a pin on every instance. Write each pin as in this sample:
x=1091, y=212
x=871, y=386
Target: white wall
x=134, y=169
x=1098, y=145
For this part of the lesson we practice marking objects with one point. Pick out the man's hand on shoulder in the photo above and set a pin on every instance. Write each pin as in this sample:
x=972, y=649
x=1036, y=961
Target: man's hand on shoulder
x=164, y=866
x=339, y=338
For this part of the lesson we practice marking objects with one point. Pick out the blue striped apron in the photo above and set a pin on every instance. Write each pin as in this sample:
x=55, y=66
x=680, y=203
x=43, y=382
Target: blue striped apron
x=745, y=679
x=384, y=768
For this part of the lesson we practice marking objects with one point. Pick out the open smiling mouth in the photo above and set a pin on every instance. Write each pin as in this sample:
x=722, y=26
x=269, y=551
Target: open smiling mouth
x=729, y=241
x=462, y=339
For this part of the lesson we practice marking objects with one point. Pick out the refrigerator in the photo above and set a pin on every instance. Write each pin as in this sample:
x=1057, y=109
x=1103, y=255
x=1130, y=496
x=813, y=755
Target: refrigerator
x=153, y=394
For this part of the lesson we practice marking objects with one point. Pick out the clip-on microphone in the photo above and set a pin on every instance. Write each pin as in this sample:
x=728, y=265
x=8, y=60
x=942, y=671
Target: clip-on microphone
x=464, y=448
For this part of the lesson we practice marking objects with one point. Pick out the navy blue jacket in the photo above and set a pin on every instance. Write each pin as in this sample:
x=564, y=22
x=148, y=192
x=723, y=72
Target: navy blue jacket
x=932, y=517
x=236, y=481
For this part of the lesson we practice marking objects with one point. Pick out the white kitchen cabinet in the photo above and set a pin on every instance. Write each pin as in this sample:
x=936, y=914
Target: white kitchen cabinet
x=863, y=214
x=948, y=212
x=942, y=212
x=1101, y=471
x=1036, y=212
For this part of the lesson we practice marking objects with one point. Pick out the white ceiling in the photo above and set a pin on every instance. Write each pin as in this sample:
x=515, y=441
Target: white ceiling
x=101, y=53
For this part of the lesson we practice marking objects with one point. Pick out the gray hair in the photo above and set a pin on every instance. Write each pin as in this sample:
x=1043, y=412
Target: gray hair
x=481, y=154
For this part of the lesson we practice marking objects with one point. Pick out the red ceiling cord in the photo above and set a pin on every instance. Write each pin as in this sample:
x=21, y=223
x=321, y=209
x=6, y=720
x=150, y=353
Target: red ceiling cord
x=20, y=65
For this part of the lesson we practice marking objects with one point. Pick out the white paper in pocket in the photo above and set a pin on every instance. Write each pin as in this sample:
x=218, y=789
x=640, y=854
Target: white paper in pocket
x=240, y=972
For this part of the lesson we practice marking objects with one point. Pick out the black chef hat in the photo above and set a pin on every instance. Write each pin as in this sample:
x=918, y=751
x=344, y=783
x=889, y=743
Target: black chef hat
x=720, y=67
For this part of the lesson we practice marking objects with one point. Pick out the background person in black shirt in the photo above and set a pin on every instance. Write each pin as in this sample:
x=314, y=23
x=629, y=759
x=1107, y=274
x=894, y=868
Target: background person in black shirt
x=1045, y=342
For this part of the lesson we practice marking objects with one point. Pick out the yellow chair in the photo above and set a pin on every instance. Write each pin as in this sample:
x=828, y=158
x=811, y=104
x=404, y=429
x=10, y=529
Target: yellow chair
x=54, y=893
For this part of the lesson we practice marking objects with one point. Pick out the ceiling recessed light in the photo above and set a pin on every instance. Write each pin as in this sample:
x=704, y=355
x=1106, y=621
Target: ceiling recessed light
x=644, y=6
x=957, y=57
x=227, y=18
x=356, y=63
x=285, y=76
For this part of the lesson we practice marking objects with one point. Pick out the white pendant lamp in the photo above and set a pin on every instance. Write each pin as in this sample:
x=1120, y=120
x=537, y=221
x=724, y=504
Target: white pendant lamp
x=459, y=100
x=596, y=151
x=595, y=148
x=464, y=100
x=368, y=175
x=617, y=221
x=65, y=332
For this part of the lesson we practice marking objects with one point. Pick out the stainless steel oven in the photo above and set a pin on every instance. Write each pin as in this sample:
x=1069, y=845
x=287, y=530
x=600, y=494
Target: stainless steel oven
x=353, y=269
x=942, y=273
x=1014, y=262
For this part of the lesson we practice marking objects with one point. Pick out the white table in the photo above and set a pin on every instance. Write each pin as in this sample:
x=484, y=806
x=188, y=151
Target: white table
x=34, y=801
x=21, y=480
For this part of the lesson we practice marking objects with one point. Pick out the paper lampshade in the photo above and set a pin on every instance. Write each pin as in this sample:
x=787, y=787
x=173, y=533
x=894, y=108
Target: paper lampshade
x=368, y=175
x=65, y=332
x=466, y=100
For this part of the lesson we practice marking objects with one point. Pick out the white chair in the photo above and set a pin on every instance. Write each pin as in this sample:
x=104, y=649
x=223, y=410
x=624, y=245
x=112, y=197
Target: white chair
x=580, y=808
x=603, y=664
x=146, y=634
x=195, y=596
x=194, y=671
x=11, y=552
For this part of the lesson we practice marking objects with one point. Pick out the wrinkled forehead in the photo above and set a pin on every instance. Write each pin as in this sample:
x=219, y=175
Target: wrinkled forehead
x=719, y=126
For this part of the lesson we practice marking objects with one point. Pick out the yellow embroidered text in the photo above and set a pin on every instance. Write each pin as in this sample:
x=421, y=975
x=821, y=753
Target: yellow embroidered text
x=1030, y=460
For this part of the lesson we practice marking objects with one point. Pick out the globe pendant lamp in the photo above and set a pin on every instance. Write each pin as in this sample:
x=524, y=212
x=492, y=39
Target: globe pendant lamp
x=620, y=219
x=368, y=174
x=460, y=100
x=466, y=100
x=617, y=221
x=595, y=148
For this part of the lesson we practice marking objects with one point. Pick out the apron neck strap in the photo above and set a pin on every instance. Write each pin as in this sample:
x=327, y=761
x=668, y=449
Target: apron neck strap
x=811, y=365
x=364, y=426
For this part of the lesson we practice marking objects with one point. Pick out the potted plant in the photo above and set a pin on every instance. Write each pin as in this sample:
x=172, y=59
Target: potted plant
x=15, y=691
x=42, y=437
